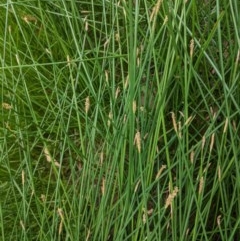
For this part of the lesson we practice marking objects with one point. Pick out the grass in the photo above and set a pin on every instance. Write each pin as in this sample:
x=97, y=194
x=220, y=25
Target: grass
x=120, y=120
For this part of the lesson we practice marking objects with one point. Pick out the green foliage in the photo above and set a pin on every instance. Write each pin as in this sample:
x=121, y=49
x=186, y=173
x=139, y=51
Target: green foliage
x=119, y=120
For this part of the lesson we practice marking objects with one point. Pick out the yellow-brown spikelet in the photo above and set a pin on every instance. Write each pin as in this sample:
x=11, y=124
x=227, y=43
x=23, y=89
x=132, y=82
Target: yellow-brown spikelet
x=88, y=235
x=136, y=186
x=110, y=116
x=22, y=224
x=219, y=173
x=234, y=125
x=86, y=24
x=137, y=141
x=117, y=92
x=87, y=104
x=60, y=227
x=160, y=171
x=189, y=119
x=206, y=168
x=48, y=51
x=106, y=76
x=49, y=157
x=43, y=198
x=103, y=186
x=212, y=141
x=174, y=122
x=126, y=82
x=145, y=136
x=138, y=61
x=17, y=58
x=144, y=217
x=150, y=211
x=225, y=126
x=238, y=57
x=171, y=197
x=203, y=141
x=137, y=55
x=180, y=129
x=29, y=18
x=106, y=43
x=60, y=213
x=124, y=118
x=47, y=154
x=101, y=158
x=155, y=10
x=6, y=106
x=57, y=164
x=68, y=60
x=192, y=156
x=191, y=48
x=117, y=37
x=219, y=220
x=134, y=106
x=23, y=177
x=201, y=183
x=146, y=213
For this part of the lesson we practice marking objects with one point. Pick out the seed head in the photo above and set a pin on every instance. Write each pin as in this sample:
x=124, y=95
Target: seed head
x=87, y=104
x=201, y=183
x=137, y=141
x=171, y=197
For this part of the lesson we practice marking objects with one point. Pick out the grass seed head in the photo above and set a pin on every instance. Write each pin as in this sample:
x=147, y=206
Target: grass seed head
x=29, y=19
x=238, y=57
x=134, y=106
x=191, y=48
x=103, y=186
x=203, y=141
x=219, y=220
x=155, y=10
x=110, y=117
x=6, y=106
x=165, y=20
x=106, y=76
x=60, y=228
x=136, y=186
x=160, y=171
x=219, y=173
x=43, y=198
x=174, y=122
x=192, y=156
x=201, y=183
x=117, y=92
x=87, y=104
x=23, y=177
x=171, y=197
x=180, y=129
x=22, y=224
x=101, y=158
x=17, y=58
x=126, y=82
x=86, y=24
x=212, y=141
x=137, y=141
x=68, y=60
x=225, y=126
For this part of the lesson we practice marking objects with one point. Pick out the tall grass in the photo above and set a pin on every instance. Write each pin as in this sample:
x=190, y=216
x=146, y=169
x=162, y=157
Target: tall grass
x=120, y=120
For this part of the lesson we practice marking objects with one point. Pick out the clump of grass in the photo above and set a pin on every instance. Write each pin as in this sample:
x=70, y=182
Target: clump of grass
x=119, y=120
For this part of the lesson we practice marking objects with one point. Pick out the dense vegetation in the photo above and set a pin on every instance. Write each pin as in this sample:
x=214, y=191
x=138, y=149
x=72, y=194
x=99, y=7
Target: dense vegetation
x=120, y=120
